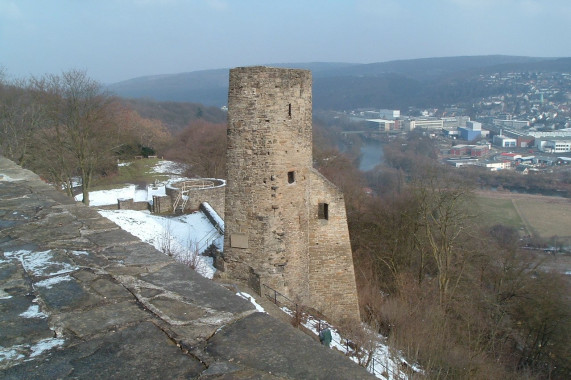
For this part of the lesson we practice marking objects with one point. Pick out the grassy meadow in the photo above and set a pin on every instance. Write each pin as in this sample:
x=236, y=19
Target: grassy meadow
x=136, y=172
x=498, y=211
x=539, y=215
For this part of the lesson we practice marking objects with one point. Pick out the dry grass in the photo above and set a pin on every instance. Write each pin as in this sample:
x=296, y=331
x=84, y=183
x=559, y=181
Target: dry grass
x=546, y=216
x=498, y=211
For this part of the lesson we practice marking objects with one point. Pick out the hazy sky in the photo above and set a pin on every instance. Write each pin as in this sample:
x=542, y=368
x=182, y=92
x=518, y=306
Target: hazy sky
x=115, y=40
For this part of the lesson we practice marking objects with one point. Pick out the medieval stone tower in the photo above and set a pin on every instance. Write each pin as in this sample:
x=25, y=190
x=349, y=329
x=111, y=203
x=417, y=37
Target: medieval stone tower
x=285, y=224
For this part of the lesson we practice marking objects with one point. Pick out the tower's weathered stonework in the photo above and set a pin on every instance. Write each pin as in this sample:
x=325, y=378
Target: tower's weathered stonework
x=285, y=224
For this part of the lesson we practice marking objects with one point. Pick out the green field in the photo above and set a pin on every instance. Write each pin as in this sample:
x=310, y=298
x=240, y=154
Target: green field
x=538, y=215
x=498, y=211
x=137, y=172
x=547, y=218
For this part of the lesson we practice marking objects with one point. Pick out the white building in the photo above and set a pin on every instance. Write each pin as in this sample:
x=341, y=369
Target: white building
x=474, y=125
x=553, y=145
x=557, y=133
x=410, y=125
x=455, y=121
x=504, y=141
x=389, y=114
x=511, y=123
x=494, y=166
x=382, y=125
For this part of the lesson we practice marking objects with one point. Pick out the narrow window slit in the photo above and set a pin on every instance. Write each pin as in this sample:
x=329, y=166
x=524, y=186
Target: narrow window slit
x=291, y=177
x=323, y=212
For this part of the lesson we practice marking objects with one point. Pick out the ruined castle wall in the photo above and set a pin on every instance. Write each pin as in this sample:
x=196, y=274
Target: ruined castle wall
x=269, y=136
x=331, y=272
x=130, y=204
x=273, y=231
x=213, y=196
x=162, y=204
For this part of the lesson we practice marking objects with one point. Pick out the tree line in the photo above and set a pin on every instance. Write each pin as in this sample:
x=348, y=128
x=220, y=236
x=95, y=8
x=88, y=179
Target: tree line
x=71, y=132
x=461, y=298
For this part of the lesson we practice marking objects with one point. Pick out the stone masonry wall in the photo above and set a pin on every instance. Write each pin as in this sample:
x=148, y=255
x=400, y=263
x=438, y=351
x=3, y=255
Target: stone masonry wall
x=269, y=136
x=268, y=208
x=162, y=204
x=213, y=196
x=130, y=204
x=331, y=271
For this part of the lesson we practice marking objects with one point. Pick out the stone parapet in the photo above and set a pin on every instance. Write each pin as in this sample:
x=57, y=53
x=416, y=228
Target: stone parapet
x=81, y=298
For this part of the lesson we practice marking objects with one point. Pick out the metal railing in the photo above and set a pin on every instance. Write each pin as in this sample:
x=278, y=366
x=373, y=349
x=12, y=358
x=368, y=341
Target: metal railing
x=183, y=188
x=208, y=239
x=375, y=367
x=195, y=184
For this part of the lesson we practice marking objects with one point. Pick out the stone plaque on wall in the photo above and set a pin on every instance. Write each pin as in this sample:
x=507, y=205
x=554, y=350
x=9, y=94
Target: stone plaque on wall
x=239, y=240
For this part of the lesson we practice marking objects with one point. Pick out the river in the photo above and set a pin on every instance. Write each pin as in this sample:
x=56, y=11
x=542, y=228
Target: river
x=371, y=155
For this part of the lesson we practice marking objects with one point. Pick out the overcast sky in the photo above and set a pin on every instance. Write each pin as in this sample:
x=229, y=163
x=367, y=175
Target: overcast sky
x=115, y=40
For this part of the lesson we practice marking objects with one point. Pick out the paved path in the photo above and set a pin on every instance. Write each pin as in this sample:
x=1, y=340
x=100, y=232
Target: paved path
x=81, y=298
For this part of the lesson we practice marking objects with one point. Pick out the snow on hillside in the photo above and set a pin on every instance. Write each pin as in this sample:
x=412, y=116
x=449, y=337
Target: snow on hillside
x=109, y=197
x=384, y=364
x=183, y=237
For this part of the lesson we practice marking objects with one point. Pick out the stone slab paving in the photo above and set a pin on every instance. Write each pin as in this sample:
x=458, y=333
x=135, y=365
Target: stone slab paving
x=81, y=298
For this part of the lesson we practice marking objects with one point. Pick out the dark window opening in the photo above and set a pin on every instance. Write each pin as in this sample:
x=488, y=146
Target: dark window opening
x=291, y=177
x=323, y=211
x=289, y=110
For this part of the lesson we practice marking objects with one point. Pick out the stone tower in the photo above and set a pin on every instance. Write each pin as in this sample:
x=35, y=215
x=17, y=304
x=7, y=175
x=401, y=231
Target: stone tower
x=285, y=224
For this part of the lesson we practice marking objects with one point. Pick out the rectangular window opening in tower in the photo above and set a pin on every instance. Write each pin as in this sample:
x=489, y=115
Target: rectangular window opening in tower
x=291, y=177
x=289, y=110
x=323, y=212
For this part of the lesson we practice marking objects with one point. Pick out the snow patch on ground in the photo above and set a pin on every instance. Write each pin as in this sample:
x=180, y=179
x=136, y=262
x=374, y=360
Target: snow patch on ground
x=20, y=351
x=109, y=197
x=165, y=166
x=387, y=365
x=40, y=263
x=183, y=237
x=4, y=295
x=248, y=297
x=52, y=281
x=180, y=236
x=33, y=312
x=45, y=345
x=7, y=178
x=12, y=353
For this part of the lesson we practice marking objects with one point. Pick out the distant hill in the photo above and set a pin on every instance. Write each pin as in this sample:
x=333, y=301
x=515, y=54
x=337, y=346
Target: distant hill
x=175, y=115
x=209, y=87
x=402, y=83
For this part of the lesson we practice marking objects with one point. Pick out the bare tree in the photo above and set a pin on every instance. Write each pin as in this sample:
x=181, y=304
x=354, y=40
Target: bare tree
x=362, y=339
x=21, y=116
x=84, y=129
x=143, y=132
x=445, y=217
x=202, y=145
